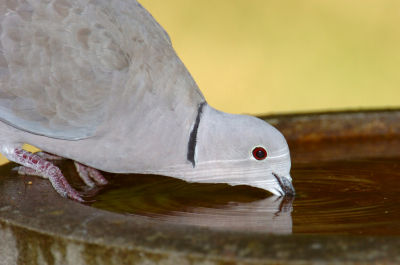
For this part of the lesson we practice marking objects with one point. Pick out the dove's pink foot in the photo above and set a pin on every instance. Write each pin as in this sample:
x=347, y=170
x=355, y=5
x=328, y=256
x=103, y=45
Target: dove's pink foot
x=88, y=175
x=22, y=170
x=43, y=168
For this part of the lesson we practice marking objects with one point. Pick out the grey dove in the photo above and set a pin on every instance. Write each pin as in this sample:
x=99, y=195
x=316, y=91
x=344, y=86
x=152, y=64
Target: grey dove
x=98, y=82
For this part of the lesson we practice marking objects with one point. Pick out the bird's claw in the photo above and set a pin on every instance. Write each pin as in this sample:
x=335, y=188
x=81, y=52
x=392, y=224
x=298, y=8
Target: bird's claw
x=37, y=165
x=22, y=170
x=90, y=176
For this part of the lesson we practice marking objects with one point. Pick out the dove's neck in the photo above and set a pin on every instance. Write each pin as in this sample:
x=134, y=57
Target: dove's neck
x=204, y=142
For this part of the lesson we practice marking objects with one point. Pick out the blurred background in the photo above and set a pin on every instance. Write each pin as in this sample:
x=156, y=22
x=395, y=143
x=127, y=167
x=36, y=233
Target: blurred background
x=264, y=56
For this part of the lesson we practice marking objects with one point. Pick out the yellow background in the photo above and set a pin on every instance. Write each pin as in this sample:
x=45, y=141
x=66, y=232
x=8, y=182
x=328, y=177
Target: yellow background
x=264, y=56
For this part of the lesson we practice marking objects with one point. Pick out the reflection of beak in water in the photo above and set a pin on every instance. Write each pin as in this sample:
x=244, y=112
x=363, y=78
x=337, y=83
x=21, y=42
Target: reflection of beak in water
x=270, y=215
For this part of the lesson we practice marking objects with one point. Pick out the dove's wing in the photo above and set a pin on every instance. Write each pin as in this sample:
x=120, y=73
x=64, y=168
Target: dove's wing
x=60, y=61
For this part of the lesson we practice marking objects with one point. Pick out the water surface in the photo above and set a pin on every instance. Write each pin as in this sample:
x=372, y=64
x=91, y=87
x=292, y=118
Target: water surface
x=353, y=193
x=359, y=196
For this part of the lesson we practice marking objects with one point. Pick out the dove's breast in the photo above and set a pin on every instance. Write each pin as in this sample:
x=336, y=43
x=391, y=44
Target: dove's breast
x=79, y=70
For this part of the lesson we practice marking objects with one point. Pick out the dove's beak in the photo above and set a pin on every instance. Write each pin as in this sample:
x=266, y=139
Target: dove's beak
x=285, y=183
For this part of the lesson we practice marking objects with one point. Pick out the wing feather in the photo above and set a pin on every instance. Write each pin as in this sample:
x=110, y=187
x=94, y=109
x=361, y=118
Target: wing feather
x=66, y=66
x=58, y=65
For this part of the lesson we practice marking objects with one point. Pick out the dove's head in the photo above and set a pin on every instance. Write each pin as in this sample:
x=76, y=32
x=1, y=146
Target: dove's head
x=240, y=150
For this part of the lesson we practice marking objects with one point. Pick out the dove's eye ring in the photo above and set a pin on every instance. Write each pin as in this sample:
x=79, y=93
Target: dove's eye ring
x=259, y=153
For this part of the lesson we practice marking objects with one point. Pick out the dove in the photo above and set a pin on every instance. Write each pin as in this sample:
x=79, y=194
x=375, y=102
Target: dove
x=98, y=82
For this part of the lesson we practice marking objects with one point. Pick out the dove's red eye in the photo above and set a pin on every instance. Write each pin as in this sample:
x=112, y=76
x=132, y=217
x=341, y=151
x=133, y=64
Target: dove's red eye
x=259, y=153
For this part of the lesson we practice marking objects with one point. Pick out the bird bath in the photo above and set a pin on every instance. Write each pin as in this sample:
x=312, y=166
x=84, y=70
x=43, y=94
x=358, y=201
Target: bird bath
x=347, y=207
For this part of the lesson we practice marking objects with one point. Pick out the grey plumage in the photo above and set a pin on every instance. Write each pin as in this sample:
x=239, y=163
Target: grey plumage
x=98, y=81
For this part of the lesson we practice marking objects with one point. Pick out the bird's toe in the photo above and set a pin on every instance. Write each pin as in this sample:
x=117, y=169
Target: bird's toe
x=90, y=176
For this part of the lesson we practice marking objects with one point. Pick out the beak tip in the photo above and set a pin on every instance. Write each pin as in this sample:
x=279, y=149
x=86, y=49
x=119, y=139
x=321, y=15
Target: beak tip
x=285, y=185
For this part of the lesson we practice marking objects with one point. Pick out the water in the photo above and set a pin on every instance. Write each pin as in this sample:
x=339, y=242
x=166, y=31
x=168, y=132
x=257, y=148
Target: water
x=342, y=188
x=359, y=196
x=218, y=206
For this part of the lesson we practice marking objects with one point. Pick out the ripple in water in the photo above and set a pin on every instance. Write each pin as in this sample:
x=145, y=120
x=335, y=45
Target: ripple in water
x=217, y=206
x=358, y=196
